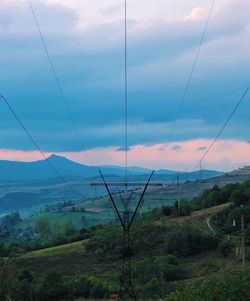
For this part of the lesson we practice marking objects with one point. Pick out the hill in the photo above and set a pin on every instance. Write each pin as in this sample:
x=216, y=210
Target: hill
x=13, y=171
x=99, y=256
x=178, y=252
x=28, y=184
x=23, y=171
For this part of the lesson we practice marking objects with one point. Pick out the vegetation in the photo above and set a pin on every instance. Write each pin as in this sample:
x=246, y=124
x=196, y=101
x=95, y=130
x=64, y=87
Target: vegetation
x=173, y=255
x=188, y=241
x=52, y=286
x=233, y=288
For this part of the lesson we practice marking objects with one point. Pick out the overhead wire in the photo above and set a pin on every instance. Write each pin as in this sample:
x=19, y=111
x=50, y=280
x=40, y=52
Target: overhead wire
x=63, y=179
x=190, y=76
x=126, y=91
x=220, y=132
x=58, y=83
x=222, y=128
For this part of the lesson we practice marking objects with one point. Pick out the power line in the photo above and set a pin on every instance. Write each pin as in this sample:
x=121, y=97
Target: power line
x=58, y=83
x=191, y=71
x=190, y=76
x=222, y=128
x=38, y=147
x=126, y=91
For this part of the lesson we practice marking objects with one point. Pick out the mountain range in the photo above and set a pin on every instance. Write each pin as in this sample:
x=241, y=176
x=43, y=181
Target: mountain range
x=12, y=171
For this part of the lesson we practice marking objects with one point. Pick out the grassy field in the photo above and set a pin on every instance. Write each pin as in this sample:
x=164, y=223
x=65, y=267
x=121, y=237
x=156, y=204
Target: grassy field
x=72, y=247
x=91, y=218
x=72, y=259
x=97, y=211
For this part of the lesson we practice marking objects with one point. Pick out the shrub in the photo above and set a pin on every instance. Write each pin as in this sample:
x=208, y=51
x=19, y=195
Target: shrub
x=158, y=267
x=225, y=247
x=233, y=288
x=51, y=287
x=188, y=241
x=100, y=255
x=88, y=287
x=167, y=210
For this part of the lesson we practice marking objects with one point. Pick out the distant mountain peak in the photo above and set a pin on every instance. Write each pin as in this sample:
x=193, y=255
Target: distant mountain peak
x=54, y=156
x=57, y=158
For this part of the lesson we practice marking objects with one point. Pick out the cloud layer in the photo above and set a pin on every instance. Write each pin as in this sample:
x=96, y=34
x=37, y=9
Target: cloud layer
x=86, y=43
x=182, y=155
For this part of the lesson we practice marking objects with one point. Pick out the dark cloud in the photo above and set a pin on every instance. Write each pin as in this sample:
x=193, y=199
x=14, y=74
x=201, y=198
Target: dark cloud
x=201, y=148
x=90, y=67
x=176, y=148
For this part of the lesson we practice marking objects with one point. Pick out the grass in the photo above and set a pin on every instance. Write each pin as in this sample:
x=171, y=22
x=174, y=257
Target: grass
x=196, y=219
x=68, y=260
x=91, y=218
x=75, y=246
x=72, y=259
x=104, y=215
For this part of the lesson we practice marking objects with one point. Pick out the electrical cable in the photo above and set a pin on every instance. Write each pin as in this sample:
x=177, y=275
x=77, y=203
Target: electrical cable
x=126, y=91
x=38, y=147
x=58, y=83
x=222, y=128
x=190, y=76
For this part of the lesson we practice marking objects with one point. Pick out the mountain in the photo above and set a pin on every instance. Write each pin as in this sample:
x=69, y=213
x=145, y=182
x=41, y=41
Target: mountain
x=244, y=171
x=167, y=172
x=23, y=171
x=27, y=184
x=13, y=171
x=132, y=169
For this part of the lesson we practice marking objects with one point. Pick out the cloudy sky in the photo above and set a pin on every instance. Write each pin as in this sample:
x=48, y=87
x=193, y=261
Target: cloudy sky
x=85, y=40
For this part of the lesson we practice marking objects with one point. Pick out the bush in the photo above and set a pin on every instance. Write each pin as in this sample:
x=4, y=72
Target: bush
x=233, y=288
x=100, y=255
x=10, y=286
x=188, y=241
x=167, y=210
x=52, y=287
x=225, y=247
x=88, y=287
x=158, y=267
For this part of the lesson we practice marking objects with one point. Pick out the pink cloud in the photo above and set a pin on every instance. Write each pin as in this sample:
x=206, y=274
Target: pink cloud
x=225, y=155
x=197, y=14
x=19, y=155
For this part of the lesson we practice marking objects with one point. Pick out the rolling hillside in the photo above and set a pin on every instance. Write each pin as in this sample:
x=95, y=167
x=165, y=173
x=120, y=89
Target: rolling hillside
x=13, y=171
x=25, y=185
x=81, y=258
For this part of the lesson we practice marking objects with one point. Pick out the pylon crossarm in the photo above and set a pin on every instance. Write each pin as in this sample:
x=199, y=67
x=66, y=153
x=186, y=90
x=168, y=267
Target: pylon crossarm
x=111, y=198
x=126, y=201
x=141, y=199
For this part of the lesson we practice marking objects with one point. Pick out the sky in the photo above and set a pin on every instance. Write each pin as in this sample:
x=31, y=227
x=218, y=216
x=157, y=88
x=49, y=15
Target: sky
x=85, y=40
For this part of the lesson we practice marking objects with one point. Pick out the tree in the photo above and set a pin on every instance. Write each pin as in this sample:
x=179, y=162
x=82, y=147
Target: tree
x=88, y=287
x=52, y=287
x=83, y=220
x=10, y=220
x=188, y=241
x=225, y=248
x=9, y=284
x=167, y=210
x=3, y=251
x=100, y=254
x=43, y=226
x=238, y=197
x=69, y=228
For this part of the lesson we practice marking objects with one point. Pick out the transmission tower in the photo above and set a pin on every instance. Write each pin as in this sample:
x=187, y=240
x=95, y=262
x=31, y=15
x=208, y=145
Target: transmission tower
x=126, y=218
x=243, y=248
x=201, y=167
x=178, y=192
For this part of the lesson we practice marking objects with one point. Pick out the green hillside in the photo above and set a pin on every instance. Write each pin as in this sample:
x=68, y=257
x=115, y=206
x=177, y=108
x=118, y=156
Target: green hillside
x=178, y=252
